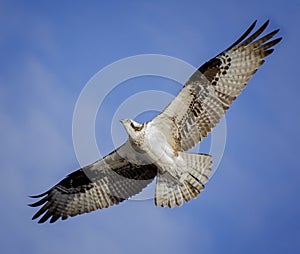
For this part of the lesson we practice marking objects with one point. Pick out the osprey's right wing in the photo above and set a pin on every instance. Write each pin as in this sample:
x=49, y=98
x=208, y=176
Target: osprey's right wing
x=104, y=183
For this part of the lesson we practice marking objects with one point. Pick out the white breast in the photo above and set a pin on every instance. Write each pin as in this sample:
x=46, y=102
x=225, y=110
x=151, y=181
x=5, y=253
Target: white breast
x=157, y=146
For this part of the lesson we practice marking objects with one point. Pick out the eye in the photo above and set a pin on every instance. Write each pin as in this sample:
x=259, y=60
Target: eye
x=136, y=128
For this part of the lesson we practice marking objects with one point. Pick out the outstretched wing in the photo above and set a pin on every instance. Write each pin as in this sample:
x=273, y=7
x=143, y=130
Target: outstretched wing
x=210, y=91
x=104, y=183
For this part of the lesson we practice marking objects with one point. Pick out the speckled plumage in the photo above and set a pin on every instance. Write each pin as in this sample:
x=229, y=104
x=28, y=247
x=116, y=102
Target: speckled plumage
x=158, y=148
x=210, y=91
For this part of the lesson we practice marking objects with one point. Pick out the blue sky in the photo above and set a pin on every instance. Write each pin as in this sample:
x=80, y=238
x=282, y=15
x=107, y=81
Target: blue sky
x=49, y=50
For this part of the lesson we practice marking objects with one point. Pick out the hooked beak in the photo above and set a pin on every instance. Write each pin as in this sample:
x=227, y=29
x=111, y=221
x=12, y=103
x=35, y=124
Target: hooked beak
x=125, y=124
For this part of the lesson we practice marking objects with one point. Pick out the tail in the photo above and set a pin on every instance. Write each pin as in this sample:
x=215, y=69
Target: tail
x=172, y=189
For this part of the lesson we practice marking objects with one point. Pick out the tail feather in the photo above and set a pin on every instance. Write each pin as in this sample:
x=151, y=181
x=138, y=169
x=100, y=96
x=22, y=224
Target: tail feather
x=178, y=196
x=185, y=192
x=172, y=190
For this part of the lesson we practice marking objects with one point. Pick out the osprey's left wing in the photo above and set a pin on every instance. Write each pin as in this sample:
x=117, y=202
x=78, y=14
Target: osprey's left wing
x=210, y=91
x=104, y=183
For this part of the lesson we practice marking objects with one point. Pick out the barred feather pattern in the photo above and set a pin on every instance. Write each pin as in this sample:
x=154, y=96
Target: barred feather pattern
x=189, y=118
x=171, y=191
x=104, y=183
x=210, y=91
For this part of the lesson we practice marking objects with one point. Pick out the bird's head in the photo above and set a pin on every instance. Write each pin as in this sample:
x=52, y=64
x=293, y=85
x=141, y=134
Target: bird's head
x=134, y=130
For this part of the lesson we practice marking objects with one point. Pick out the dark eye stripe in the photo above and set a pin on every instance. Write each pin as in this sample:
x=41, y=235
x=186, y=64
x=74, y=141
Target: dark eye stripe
x=136, y=128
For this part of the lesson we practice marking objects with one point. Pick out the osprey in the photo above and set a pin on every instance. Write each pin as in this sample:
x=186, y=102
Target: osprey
x=158, y=148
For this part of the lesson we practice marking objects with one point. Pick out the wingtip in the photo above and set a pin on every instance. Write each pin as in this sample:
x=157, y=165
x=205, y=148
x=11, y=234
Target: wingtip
x=266, y=22
x=35, y=216
x=264, y=25
x=44, y=219
x=251, y=27
x=277, y=40
x=39, y=195
x=268, y=52
x=244, y=35
x=254, y=23
x=276, y=31
x=41, y=221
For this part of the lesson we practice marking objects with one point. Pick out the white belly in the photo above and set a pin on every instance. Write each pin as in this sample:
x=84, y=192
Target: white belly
x=158, y=149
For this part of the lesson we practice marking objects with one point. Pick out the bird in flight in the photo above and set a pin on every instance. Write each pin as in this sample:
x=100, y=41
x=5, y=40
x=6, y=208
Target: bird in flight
x=158, y=148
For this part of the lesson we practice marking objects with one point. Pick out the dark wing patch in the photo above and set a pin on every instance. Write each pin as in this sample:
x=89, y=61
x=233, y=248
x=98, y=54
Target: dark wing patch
x=104, y=183
x=209, y=92
x=76, y=179
x=210, y=68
